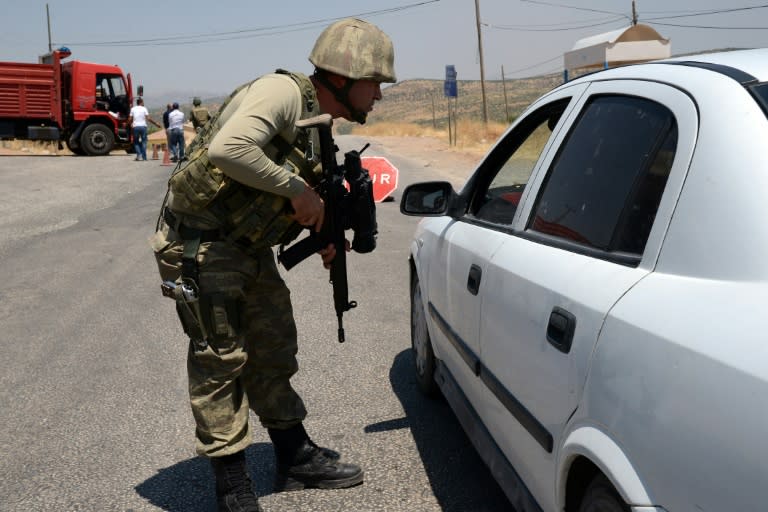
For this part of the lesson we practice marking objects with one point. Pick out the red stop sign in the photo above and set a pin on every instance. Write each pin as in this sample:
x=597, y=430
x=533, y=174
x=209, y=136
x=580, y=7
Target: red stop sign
x=383, y=175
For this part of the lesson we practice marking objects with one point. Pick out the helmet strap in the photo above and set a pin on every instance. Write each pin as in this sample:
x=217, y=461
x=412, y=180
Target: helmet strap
x=342, y=95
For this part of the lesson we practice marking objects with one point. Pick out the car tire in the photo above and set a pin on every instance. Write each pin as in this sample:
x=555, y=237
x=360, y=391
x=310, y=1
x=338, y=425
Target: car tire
x=423, y=355
x=601, y=496
x=97, y=140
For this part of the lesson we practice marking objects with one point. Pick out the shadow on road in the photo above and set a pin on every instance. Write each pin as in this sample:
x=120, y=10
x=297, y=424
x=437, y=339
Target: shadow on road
x=189, y=485
x=460, y=480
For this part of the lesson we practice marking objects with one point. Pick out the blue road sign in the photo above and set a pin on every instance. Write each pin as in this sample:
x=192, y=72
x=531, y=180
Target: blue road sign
x=449, y=87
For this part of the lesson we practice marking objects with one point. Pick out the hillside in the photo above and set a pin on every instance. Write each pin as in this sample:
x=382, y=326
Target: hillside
x=416, y=101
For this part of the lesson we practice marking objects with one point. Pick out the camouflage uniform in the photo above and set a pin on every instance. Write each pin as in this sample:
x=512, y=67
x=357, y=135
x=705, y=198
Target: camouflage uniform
x=199, y=116
x=252, y=356
x=227, y=206
x=252, y=366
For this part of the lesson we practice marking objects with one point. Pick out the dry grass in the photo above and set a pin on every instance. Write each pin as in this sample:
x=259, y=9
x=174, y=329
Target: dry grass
x=31, y=147
x=471, y=136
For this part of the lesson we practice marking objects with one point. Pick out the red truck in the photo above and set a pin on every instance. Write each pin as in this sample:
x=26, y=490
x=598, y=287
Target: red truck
x=85, y=105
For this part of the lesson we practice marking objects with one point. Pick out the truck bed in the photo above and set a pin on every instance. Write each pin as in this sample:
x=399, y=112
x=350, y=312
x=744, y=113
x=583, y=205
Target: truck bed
x=27, y=91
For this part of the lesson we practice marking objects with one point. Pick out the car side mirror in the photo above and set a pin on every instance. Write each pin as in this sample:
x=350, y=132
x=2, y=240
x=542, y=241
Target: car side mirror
x=431, y=199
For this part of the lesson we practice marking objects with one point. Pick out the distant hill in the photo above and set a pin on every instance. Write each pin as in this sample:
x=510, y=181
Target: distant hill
x=422, y=102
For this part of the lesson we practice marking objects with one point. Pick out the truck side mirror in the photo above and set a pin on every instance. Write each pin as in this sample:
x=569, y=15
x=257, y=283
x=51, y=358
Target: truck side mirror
x=140, y=90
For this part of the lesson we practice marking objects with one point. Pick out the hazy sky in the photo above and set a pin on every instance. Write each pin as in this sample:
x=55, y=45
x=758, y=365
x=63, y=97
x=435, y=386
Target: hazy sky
x=213, y=46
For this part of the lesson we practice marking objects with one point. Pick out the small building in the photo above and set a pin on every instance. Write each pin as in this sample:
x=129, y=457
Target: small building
x=636, y=43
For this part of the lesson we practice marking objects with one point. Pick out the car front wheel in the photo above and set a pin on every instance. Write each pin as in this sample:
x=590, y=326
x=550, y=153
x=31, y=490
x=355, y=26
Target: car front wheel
x=602, y=497
x=423, y=356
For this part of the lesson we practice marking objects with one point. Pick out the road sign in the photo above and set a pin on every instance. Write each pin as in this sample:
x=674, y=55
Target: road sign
x=450, y=89
x=383, y=175
x=449, y=86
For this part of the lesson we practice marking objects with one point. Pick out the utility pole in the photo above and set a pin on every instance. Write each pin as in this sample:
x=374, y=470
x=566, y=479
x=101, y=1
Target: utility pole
x=434, y=120
x=48, y=16
x=482, y=65
x=504, y=85
x=634, y=14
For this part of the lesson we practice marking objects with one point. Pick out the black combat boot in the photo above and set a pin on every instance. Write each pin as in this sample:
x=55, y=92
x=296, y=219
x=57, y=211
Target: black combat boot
x=302, y=464
x=233, y=485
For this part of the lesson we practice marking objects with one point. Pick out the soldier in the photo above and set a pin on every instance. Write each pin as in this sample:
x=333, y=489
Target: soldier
x=247, y=186
x=199, y=114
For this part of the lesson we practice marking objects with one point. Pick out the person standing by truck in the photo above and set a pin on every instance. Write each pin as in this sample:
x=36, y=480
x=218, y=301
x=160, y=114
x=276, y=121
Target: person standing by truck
x=176, y=129
x=166, y=125
x=138, y=120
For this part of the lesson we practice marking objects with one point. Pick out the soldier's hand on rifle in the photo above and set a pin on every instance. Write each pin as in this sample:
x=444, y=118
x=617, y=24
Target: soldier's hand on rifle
x=330, y=252
x=309, y=209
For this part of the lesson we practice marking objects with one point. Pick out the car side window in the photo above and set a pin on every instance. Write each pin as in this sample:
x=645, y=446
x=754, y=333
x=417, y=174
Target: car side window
x=512, y=163
x=605, y=184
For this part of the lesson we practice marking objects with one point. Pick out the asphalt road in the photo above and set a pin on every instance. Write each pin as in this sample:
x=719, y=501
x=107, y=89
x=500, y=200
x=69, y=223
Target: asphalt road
x=93, y=387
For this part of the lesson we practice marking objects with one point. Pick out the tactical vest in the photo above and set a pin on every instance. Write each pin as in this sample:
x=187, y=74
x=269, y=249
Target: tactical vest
x=200, y=116
x=245, y=214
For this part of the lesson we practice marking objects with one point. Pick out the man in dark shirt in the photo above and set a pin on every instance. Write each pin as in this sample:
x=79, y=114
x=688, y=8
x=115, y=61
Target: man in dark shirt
x=166, y=125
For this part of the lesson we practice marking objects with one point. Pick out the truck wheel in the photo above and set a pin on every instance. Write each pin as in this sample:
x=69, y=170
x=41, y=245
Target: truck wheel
x=73, y=147
x=602, y=497
x=97, y=140
x=423, y=355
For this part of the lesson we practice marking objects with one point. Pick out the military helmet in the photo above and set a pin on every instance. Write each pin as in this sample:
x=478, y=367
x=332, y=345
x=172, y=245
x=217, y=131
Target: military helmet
x=356, y=49
x=196, y=101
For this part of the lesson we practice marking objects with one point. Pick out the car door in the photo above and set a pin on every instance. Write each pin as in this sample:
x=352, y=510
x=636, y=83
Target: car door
x=586, y=234
x=463, y=248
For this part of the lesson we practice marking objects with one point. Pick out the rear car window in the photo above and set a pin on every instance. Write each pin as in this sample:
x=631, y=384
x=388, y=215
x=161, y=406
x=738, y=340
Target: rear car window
x=760, y=92
x=604, y=186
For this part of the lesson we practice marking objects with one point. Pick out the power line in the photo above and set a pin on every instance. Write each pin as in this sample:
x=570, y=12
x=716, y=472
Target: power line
x=243, y=33
x=562, y=24
x=535, y=65
x=706, y=13
x=526, y=29
x=708, y=26
x=552, y=4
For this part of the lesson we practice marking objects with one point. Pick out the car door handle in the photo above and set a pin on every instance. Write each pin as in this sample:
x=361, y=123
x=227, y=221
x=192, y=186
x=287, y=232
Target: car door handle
x=560, y=329
x=473, y=281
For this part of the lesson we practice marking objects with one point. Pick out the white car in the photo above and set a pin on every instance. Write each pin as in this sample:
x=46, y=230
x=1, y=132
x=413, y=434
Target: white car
x=593, y=303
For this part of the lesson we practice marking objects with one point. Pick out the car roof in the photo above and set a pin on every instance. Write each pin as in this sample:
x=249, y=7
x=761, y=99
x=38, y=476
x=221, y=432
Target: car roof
x=753, y=62
x=738, y=64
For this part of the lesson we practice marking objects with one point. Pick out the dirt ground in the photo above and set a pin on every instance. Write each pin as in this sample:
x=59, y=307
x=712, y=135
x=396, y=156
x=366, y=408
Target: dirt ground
x=430, y=151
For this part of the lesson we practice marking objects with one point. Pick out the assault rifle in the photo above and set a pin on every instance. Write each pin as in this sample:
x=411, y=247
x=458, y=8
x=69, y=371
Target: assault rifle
x=344, y=209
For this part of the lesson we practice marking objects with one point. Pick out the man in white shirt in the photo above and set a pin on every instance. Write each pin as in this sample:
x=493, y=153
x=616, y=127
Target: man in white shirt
x=176, y=128
x=138, y=119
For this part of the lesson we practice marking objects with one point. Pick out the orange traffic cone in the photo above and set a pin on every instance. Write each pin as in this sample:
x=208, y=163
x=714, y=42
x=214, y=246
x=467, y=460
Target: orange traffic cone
x=166, y=156
x=154, y=152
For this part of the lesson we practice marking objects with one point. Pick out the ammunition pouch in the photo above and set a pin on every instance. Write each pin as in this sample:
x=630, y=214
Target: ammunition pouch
x=197, y=182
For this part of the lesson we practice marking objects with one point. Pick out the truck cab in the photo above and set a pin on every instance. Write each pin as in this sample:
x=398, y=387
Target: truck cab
x=97, y=101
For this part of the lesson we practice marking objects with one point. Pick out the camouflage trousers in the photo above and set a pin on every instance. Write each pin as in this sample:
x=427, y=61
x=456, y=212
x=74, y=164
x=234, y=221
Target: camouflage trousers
x=251, y=363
